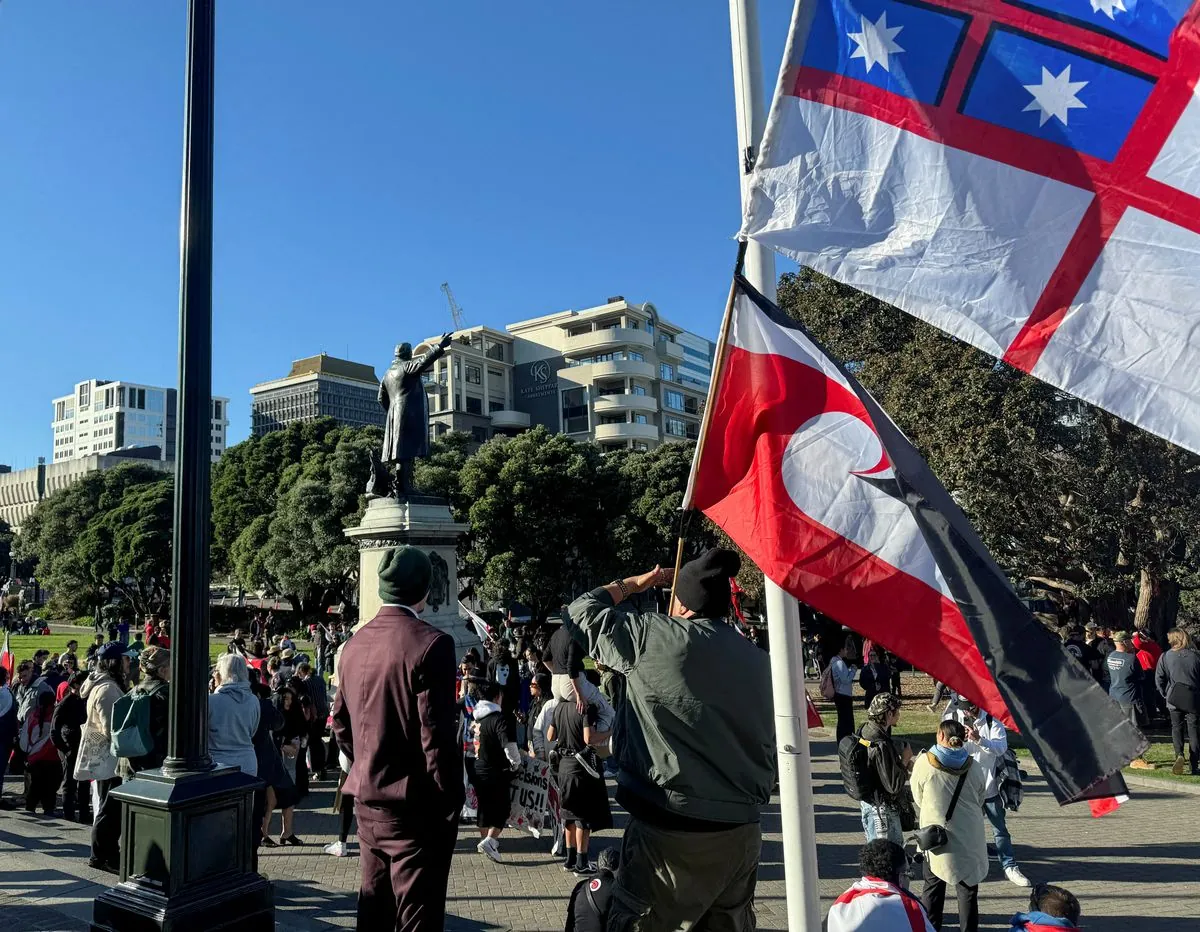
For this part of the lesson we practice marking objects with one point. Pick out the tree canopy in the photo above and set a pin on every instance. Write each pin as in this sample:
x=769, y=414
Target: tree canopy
x=106, y=536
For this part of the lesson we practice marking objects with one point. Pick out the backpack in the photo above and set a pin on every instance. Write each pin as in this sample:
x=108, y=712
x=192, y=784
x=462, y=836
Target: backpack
x=827, y=690
x=1009, y=775
x=858, y=776
x=131, y=725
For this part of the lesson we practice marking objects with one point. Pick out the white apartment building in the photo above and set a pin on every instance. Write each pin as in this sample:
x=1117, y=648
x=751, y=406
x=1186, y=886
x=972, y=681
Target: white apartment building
x=470, y=387
x=618, y=374
x=101, y=417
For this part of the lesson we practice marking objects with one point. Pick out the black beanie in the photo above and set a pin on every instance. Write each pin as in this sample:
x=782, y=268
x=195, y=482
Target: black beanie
x=404, y=576
x=703, y=584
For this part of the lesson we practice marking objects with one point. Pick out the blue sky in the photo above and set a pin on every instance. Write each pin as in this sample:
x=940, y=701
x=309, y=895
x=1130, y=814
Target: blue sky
x=537, y=156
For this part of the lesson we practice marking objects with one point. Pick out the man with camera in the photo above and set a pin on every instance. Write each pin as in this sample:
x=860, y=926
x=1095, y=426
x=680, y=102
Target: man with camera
x=875, y=771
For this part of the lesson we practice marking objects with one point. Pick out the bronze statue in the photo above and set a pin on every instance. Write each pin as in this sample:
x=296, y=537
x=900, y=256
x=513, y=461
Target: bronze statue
x=406, y=432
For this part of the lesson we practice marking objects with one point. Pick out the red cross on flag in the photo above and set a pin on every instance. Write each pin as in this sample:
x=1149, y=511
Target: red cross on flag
x=800, y=466
x=1023, y=176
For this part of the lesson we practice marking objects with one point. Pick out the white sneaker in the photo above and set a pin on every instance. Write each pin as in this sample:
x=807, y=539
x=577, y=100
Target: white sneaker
x=1015, y=876
x=491, y=848
x=339, y=849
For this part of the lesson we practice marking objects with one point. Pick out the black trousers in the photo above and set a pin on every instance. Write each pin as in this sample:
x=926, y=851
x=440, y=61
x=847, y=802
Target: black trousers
x=933, y=896
x=845, y=715
x=41, y=785
x=1192, y=722
x=106, y=830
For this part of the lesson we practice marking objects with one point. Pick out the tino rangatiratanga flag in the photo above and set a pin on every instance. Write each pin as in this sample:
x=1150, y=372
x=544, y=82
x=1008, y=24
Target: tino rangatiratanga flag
x=801, y=467
x=1023, y=175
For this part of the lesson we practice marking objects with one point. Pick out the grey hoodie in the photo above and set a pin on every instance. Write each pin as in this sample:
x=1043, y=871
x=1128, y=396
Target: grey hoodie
x=233, y=714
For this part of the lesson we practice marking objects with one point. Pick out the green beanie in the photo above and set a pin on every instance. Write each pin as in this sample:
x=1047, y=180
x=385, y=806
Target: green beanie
x=404, y=576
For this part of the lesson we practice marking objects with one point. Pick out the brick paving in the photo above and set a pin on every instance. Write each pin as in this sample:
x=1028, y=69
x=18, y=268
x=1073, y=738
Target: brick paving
x=1143, y=861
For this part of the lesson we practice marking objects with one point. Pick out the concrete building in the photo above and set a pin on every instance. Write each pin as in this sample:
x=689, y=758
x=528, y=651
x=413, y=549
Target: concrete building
x=318, y=386
x=22, y=489
x=618, y=374
x=102, y=417
x=470, y=387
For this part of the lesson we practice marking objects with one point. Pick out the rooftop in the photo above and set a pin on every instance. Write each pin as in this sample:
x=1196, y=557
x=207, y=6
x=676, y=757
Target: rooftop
x=331, y=365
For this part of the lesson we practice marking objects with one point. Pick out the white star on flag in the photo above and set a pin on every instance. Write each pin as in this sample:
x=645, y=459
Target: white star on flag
x=1055, y=96
x=876, y=42
x=1108, y=6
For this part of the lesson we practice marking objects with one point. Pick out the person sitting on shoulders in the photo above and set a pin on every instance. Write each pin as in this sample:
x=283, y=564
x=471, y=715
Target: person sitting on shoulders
x=877, y=902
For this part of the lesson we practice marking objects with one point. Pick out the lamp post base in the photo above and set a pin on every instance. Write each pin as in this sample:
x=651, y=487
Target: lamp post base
x=187, y=857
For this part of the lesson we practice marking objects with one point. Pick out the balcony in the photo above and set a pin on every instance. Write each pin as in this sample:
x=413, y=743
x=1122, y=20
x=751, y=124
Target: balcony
x=626, y=432
x=670, y=350
x=617, y=368
x=510, y=420
x=625, y=401
x=607, y=339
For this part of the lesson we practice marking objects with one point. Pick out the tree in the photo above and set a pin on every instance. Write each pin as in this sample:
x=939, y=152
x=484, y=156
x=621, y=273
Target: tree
x=306, y=554
x=1064, y=494
x=439, y=475
x=85, y=540
x=6, y=539
x=538, y=509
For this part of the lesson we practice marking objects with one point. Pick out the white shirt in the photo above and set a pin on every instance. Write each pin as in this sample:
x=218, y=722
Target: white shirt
x=987, y=751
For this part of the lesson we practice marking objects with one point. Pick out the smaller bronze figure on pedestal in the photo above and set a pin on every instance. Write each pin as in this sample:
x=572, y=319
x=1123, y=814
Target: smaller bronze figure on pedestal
x=406, y=433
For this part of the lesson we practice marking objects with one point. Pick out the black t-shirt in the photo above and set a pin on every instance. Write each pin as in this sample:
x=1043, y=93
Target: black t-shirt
x=564, y=655
x=568, y=726
x=507, y=673
x=495, y=731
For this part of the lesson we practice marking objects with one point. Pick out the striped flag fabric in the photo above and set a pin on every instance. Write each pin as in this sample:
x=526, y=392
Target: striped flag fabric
x=1022, y=175
x=7, y=661
x=814, y=482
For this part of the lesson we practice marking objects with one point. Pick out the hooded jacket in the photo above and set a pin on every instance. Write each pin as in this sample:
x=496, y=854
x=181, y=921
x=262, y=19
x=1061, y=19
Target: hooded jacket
x=233, y=714
x=101, y=693
x=1040, y=922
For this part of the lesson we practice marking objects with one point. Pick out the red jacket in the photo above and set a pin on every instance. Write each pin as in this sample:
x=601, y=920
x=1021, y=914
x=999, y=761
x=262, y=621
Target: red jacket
x=1148, y=652
x=396, y=716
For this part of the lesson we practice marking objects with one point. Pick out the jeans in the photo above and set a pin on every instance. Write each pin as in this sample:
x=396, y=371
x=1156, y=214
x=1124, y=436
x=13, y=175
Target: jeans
x=994, y=810
x=881, y=822
x=845, y=715
x=1178, y=720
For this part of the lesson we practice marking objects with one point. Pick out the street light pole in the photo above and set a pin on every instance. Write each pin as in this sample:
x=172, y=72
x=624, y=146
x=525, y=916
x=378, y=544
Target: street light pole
x=187, y=749
x=187, y=830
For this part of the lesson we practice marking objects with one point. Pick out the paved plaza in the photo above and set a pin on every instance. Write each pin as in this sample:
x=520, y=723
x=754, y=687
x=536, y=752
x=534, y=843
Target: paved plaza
x=1143, y=861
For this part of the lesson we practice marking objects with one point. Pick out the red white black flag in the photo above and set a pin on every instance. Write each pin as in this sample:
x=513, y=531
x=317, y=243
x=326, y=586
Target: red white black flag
x=815, y=483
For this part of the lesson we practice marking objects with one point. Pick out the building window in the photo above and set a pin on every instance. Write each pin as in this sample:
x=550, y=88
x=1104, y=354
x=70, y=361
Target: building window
x=85, y=395
x=494, y=406
x=691, y=405
x=636, y=357
x=675, y=427
x=217, y=410
x=574, y=411
x=613, y=419
x=474, y=405
x=637, y=390
x=479, y=434
x=640, y=419
x=474, y=375
x=666, y=371
x=578, y=331
x=693, y=432
x=673, y=400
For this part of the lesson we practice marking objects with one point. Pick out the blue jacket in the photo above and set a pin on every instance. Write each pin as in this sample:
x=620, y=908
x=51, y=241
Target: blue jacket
x=233, y=714
x=1039, y=922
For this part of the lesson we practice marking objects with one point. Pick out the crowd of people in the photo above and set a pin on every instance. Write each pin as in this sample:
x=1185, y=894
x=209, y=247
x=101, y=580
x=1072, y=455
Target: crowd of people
x=618, y=690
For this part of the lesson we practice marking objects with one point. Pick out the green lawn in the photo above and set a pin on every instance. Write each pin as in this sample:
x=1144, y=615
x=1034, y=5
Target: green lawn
x=23, y=645
x=918, y=727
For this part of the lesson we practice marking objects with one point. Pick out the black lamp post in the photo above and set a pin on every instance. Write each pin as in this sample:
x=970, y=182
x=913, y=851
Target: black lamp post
x=186, y=830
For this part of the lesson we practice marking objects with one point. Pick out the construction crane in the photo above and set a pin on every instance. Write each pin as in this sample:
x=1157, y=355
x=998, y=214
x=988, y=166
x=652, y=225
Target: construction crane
x=460, y=322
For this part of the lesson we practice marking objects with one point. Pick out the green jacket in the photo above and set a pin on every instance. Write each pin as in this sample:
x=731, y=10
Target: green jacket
x=695, y=735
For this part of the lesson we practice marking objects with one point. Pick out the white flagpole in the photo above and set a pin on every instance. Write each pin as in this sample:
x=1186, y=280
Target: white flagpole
x=783, y=612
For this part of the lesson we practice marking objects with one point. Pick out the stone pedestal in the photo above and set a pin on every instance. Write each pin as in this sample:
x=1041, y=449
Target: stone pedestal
x=422, y=521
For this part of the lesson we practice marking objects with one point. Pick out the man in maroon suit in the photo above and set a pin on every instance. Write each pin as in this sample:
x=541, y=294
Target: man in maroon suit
x=396, y=718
